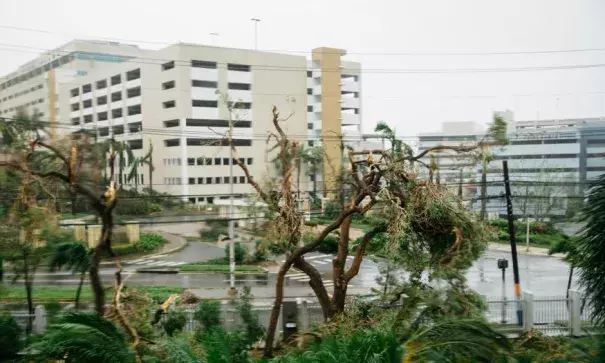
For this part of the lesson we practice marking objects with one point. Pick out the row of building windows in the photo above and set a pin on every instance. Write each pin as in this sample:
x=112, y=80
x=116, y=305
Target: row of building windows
x=202, y=161
x=207, y=142
x=208, y=103
x=206, y=180
x=24, y=106
x=24, y=92
x=213, y=84
x=102, y=100
x=115, y=113
x=194, y=122
x=38, y=71
x=102, y=84
x=211, y=65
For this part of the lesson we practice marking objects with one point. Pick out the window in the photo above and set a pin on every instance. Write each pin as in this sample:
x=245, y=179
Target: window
x=86, y=88
x=208, y=180
x=168, y=65
x=249, y=161
x=172, y=142
x=117, y=79
x=118, y=130
x=102, y=116
x=310, y=143
x=217, y=179
x=169, y=104
x=208, y=161
x=172, y=123
x=104, y=131
x=242, y=179
x=238, y=67
x=75, y=120
x=134, y=110
x=75, y=106
x=117, y=113
x=309, y=91
x=191, y=180
x=310, y=108
x=132, y=75
x=133, y=92
x=239, y=86
x=309, y=126
x=217, y=161
x=168, y=85
x=102, y=100
x=135, y=127
x=203, y=103
x=309, y=74
x=102, y=84
x=205, y=84
x=116, y=96
x=241, y=160
x=203, y=64
x=242, y=105
x=142, y=180
x=226, y=180
x=216, y=123
x=74, y=92
x=190, y=161
x=225, y=161
x=87, y=118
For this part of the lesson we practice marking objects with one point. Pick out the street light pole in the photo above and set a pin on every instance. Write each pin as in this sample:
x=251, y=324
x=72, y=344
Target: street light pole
x=231, y=214
x=255, y=20
x=502, y=265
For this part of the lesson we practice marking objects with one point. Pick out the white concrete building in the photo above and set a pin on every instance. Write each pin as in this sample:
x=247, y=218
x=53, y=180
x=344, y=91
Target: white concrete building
x=33, y=87
x=551, y=163
x=177, y=99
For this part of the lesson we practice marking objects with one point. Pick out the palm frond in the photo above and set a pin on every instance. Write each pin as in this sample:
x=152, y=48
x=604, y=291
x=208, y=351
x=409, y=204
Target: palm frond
x=82, y=337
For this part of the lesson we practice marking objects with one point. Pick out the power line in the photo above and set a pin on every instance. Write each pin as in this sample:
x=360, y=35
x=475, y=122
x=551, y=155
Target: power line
x=261, y=67
x=439, y=54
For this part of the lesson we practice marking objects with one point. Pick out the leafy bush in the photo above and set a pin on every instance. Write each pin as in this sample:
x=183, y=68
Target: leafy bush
x=208, y=314
x=155, y=208
x=329, y=245
x=254, y=330
x=312, y=223
x=10, y=337
x=332, y=210
x=261, y=252
x=240, y=252
x=175, y=321
x=149, y=242
x=220, y=346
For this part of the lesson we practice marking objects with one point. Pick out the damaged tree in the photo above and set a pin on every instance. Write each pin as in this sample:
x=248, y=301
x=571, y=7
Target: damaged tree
x=389, y=182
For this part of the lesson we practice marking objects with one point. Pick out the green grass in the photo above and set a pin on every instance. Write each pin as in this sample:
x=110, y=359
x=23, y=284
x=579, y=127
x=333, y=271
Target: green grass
x=220, y=268
x=73, y=216
x=67, y=293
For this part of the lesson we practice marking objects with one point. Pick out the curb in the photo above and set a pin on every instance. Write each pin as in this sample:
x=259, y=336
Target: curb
x=176, y=249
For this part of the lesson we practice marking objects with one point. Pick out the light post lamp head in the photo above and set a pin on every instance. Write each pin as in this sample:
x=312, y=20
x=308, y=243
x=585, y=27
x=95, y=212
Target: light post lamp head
x=502, y=263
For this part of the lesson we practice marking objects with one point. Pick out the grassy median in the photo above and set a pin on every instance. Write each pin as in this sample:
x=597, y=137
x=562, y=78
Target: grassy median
x=220, y=268
x=68, y=293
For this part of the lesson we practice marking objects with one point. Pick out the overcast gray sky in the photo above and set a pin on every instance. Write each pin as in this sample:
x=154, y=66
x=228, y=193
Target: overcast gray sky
x=375, y=33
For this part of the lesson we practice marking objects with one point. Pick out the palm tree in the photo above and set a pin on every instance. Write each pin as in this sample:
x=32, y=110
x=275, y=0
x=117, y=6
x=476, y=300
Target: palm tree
x=314, y=158
x=76, y=257
x=82, y=337
x=139, y=162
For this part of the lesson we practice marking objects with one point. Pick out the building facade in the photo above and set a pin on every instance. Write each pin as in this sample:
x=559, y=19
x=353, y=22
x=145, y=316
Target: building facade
x=33, y=88
x=181, y=99
x=551, y=164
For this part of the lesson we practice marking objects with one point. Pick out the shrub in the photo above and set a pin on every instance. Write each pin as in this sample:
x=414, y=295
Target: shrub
x=329, y=245
x=208, y=314
x=261, y=253
x=10, y=337
x=149, y=242
x=155, y=208
x=254, y=330
x=332, y=210
x=175, y=321
x=240, y=252
x=312, y=223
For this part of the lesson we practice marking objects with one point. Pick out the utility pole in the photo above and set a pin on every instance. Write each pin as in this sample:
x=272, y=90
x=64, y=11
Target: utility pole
x=256, y=21
x=513, y=242
x=231, y=221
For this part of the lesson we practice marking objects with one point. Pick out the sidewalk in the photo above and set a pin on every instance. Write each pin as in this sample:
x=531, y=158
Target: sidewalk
x=269, y=292
x=174, y=243
x=521, y=249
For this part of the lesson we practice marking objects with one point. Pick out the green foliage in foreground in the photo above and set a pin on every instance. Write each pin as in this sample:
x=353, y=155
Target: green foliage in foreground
x=82, y=337
x=10, y=337
x=67, y=293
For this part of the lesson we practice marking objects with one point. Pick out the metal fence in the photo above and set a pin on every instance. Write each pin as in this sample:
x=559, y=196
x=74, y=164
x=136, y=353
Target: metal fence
x=554, y=315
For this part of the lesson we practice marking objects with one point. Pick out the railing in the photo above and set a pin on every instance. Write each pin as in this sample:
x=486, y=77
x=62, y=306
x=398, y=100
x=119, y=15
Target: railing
x=554, y=315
